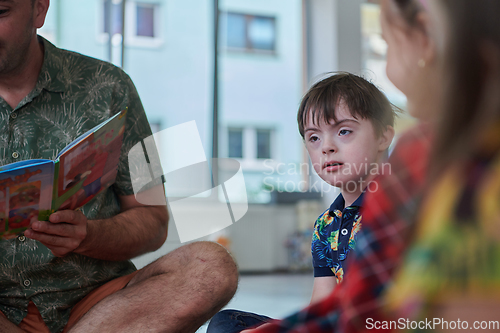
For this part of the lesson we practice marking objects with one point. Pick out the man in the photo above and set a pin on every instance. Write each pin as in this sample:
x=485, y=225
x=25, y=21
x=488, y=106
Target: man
x=73, y=272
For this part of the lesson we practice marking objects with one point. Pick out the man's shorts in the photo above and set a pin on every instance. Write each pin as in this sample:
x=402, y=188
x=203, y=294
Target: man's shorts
x=33, y=322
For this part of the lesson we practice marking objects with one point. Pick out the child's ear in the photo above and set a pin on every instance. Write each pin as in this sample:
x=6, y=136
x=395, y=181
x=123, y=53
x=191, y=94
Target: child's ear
x=386, y=138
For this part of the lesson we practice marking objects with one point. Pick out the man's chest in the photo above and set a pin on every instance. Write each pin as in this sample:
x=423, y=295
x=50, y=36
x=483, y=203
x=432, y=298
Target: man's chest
x=42, y=130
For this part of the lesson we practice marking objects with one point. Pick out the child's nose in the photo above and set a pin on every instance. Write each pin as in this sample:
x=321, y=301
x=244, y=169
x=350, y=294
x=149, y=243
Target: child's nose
x=326, y=151
x=329, y=147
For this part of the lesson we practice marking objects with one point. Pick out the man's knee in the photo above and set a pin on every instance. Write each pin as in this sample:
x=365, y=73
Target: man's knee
x=211, y=275
x=217, y=260
x=206, y=261
x=212, y=253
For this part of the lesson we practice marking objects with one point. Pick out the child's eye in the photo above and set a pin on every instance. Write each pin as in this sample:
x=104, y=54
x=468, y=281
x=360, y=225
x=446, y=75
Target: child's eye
x=313, y=138
x=344, y=132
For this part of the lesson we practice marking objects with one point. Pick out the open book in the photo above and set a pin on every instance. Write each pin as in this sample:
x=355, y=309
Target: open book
x=81, y=170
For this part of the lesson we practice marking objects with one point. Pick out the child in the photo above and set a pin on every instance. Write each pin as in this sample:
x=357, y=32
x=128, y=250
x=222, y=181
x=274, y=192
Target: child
x=347, y=127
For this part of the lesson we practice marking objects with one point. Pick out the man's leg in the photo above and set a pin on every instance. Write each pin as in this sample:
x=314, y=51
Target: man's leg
x=7, y=326
x=176, y=293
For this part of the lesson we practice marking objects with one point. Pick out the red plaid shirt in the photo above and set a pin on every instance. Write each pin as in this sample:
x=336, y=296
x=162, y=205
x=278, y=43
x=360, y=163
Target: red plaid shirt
x=388, y=219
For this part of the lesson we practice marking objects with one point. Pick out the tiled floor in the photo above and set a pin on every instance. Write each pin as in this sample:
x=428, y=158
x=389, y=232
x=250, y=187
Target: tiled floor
x=273, y=295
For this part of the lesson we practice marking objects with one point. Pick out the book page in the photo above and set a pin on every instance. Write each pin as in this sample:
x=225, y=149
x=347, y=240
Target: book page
x=25, y=192
x=90, y=165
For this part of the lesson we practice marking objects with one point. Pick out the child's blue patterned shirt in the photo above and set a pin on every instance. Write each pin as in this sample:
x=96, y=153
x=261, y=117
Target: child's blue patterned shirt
x=334, y=235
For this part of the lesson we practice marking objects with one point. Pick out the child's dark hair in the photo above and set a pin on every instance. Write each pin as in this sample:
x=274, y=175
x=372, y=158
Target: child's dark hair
x=361, y=97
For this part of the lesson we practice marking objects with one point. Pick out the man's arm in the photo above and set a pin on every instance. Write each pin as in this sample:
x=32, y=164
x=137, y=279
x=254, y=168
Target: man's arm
x=136, y=230
x=322, y=287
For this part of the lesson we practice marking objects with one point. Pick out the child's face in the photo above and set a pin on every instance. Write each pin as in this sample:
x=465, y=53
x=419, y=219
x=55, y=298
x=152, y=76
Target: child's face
x=344, y=153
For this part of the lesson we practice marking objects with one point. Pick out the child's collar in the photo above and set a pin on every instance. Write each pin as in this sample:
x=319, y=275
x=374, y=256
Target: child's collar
x=339, y=203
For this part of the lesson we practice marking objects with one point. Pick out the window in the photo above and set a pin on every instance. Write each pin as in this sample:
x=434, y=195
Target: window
x=263, y=144
x=250, y=33
x=249, y=143
x=142, y=24
x=145, y=20
x=111, y=30
x=112, y=18
x=235, y=143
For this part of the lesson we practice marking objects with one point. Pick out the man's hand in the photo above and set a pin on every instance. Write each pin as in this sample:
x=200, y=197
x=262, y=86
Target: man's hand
x=136, y=230
x=62, y=234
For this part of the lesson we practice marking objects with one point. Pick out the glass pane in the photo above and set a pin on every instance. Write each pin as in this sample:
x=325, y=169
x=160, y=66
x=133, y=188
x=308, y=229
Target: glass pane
x=236, y=30
x=145, y=20
x=261, y=33
x=263, y=144
x=235, y=143
x=116, y=22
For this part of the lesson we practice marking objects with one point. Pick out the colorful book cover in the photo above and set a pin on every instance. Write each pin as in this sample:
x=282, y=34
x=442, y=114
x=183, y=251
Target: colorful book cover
x=37, y=188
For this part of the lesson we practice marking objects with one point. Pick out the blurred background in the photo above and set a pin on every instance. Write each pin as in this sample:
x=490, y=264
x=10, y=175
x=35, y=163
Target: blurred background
x=239, y=68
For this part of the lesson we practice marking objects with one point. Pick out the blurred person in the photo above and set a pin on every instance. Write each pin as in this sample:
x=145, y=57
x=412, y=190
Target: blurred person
x=429, y=248
x=73, y=273
x=450, y=272
x=347, y=127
